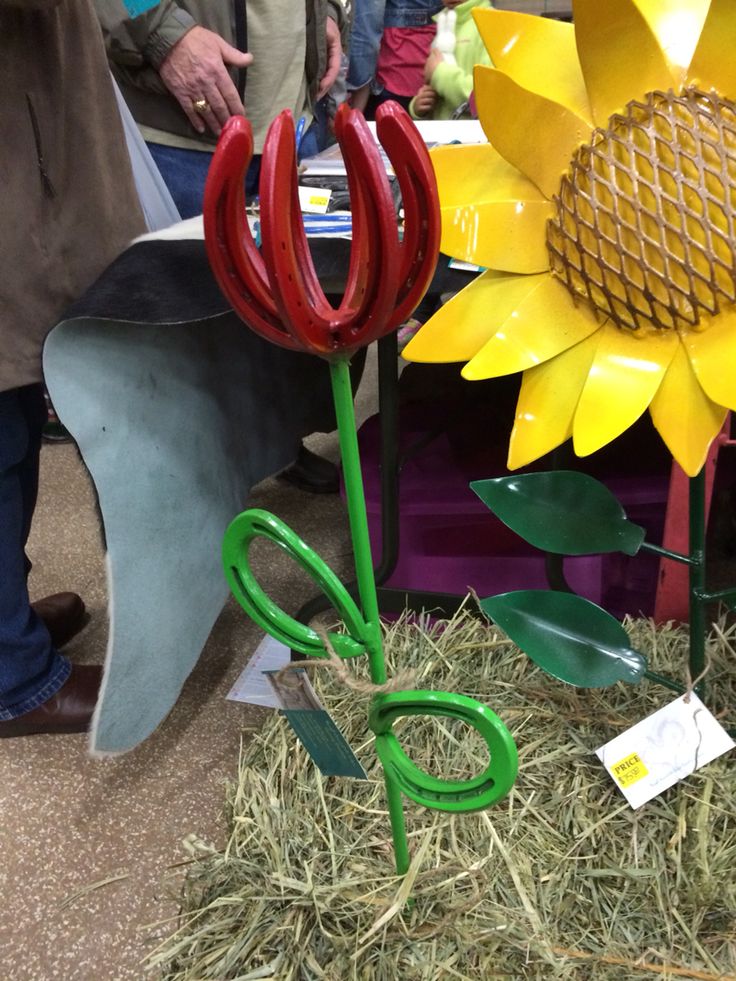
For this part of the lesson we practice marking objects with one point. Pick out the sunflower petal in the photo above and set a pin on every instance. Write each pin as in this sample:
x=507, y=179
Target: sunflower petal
x=627, y=370
x=676, y=25
x=547, y=402
x=712, y=354
x=538, y=53
x=535, y=134
x=491, y=214
x=462, y=326
x=546, y=322
x=713, y=64
x=685, y=417
x=619, y=55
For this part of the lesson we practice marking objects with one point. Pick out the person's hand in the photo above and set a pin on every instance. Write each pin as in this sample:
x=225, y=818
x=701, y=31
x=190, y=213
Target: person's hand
x=334, y=56
x=435, y=58
x=195, y=71
x=425, y=100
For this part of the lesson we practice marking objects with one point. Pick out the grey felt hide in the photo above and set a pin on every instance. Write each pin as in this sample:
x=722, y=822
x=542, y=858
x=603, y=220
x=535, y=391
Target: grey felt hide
x=178, y=410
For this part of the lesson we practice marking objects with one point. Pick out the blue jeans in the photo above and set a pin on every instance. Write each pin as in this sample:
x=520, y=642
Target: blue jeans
x=31, y=671
x=185, y=172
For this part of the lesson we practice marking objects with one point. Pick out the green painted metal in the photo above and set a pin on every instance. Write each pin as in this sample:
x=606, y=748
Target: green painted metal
x=727, y=596
x=257, y=523
x=342, y=392
x=561, y=511
x=444, y=795
x=568, y=636
x=363, y=636
x=358, y=517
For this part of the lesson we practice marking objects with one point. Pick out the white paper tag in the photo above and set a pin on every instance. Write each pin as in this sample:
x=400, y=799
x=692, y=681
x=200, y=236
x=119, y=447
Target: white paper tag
x=663, y=748
x=314, y=200
x=253, y=685
x=464, y=266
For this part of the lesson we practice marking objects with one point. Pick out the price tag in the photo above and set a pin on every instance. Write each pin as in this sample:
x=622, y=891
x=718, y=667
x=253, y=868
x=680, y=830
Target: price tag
x=668, y=745
x=314, y=726
x=314, y=200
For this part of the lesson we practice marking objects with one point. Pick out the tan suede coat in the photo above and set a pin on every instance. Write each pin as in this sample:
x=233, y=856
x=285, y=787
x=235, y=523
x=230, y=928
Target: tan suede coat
x=68, y=201
x=286, y=38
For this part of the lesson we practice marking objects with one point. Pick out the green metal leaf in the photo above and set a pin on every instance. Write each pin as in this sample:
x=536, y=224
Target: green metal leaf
x=561, y=511
x=568, y=636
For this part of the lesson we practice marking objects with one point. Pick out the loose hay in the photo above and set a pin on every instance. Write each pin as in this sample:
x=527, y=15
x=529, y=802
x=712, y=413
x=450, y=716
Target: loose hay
x=561, y=880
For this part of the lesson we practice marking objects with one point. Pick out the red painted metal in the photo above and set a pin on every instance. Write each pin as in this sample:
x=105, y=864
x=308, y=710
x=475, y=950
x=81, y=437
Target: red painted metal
x=236, y=262
x=673, y=596
x=277, y=293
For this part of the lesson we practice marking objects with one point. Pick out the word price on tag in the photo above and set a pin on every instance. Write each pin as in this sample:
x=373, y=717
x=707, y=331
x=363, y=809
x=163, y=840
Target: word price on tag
x=663, y=748
x=314, y=200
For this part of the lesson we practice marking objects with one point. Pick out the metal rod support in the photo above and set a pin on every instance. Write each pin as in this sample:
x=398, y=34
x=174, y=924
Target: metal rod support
x=666, y=553
x=697, y=577
x=354, y=492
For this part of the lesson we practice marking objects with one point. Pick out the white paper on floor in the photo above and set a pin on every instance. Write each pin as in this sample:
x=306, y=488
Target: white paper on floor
x=253, y=685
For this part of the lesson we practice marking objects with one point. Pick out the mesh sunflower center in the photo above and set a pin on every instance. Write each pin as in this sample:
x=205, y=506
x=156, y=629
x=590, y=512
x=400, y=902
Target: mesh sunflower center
x=645, y=223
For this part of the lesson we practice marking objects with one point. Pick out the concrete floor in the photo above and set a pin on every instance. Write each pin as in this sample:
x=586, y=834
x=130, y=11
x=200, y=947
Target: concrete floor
x=89, y=845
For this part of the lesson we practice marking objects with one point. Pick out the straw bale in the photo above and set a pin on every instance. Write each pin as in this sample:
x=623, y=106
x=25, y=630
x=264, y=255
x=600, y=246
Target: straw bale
x=560, y=880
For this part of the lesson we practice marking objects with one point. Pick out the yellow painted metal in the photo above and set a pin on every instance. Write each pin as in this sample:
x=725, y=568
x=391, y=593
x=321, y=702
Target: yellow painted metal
x=714, y=63
x=492, y=215
x=539, y=54
x=545, y=323
x=462, y=326
x=683, y=414
x=627, y=370
x=580, y=378
x=537, y=135
x=676, y=25
x=547, y=402
x=620, y=56
x=712, y=354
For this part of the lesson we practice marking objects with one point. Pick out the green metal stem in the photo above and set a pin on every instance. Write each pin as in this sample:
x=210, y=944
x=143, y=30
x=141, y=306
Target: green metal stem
x=661, y=679
x=697, y=577
x=721, y=595
x=342, y=392
x=398, y=825
x=665, y=553
x=345, y=411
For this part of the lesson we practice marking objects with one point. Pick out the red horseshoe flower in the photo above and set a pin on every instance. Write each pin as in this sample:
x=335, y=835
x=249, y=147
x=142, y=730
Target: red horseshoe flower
x=277, y=292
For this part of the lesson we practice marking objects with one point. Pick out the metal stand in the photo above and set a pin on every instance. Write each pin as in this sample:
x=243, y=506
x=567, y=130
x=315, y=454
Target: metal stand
x=390, y=599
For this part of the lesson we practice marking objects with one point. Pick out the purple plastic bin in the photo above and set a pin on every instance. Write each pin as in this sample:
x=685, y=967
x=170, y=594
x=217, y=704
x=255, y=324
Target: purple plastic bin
x=450, y=541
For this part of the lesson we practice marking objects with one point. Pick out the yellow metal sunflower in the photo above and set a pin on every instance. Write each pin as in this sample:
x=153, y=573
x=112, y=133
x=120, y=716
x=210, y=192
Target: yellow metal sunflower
x=604, y=208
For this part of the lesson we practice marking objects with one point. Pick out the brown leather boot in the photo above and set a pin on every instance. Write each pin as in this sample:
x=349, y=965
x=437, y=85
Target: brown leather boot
x=63, y=614
x=69, y=710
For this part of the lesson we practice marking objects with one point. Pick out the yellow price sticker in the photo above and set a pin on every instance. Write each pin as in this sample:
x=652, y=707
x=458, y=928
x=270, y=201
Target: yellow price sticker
x=629, y=770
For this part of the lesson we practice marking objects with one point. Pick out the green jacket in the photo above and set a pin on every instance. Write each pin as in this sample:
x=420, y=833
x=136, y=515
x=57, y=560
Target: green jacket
x=454, y=83
x=287, y=40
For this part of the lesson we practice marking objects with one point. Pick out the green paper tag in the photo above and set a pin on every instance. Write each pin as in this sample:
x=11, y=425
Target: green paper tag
x=314, y=726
